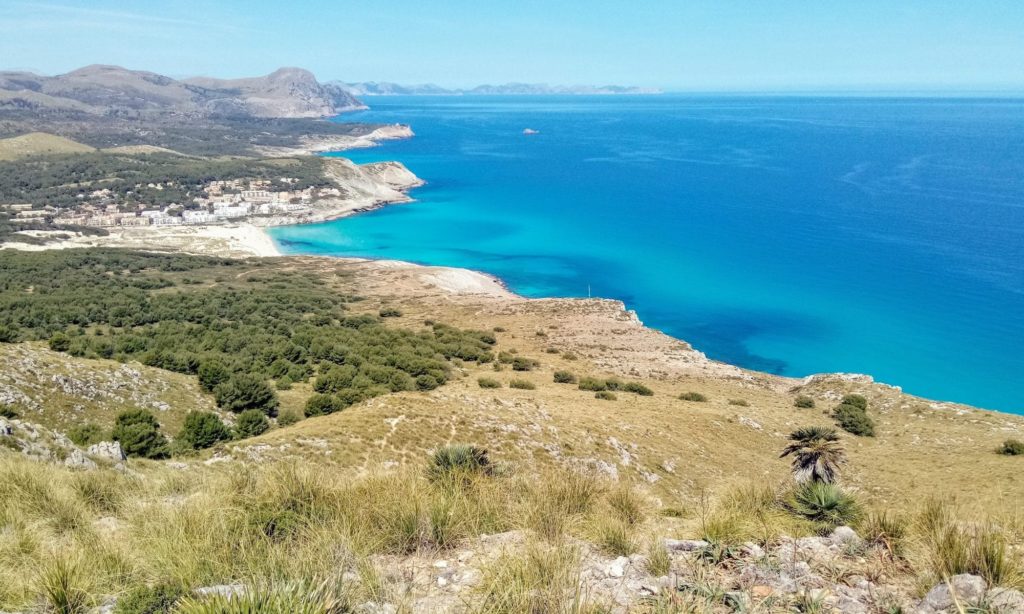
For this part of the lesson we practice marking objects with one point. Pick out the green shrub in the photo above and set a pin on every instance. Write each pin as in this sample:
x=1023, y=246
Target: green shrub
x=522, y=384
x=139, y=434
x=613, y=383
x=284, y=382
x=505, y=358
x=1011, y=447
x=498, y=329
x=605, y=395
x=203, y=429
x=458, y=459
x=855, y=420
x=552, y=351
x=87, y=434
x=247, y=391
x=8, y=334
x=693, y=396
x=212, y=373
x=59, y=342
x=288, y=418
x=569, y=356
x=520, y=363
x=6, y=411
x=323, y=404
x=826, y=504
x=390, y=312
x=739, y=402
x=803, y=402
x=565, y=377
x=427, y=382
x=637, y=388
x=592, y=384
x=250, y=423
x=856, y=400
x=488, y=382
x=158, y=599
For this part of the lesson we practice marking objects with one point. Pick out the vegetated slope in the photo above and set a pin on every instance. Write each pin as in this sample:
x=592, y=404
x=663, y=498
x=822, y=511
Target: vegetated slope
x=37, y=144
x=575, y=495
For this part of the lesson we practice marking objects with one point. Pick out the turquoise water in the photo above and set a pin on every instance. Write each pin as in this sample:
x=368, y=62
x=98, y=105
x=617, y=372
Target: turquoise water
x=790, y=235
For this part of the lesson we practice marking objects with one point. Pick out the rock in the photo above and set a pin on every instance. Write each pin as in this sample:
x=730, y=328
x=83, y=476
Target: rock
x=617, y=568
x=686, y=545
x=1006, y=601
x=376, y=608
x=968, y=589
x=845, y=536
x=77, y=460
x=752, y=550
x=223, y=590
x=110, y=450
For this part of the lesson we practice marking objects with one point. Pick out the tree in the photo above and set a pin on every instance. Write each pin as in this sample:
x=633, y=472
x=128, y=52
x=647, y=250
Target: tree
x=816, y=453
x=247, y=391
x=212, y=373
x=139, y=434
x=251, y=422
x=203, y=429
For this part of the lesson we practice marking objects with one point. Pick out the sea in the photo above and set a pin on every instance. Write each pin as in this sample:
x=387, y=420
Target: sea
x=793, y=235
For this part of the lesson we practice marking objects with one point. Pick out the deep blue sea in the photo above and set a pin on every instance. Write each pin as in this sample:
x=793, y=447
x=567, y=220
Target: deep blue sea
x=790, y=235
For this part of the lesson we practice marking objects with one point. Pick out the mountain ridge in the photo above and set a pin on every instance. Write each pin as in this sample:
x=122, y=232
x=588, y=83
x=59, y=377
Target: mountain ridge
x=384, y=88
x=100, y=89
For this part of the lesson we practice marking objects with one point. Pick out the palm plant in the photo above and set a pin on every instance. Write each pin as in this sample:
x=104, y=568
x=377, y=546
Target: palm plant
x=816, y=453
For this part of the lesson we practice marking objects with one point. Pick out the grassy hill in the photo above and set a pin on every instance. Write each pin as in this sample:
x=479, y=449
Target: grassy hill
x=37, y=144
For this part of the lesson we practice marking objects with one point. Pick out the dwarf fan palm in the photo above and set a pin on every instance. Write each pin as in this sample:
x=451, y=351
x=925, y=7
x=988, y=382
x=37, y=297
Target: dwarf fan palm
x=816, y=453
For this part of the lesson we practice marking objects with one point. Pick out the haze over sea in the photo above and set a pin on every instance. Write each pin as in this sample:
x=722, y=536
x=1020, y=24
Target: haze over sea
x=790, y=235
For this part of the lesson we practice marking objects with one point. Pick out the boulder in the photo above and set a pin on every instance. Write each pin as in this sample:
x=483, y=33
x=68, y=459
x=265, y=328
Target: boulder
x=1005, y=601
x=110, y=450
x=964, y=589
x=77, y=460
x=845, y=536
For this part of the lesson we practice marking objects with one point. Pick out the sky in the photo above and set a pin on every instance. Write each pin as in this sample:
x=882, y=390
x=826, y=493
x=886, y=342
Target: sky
x=677, y=45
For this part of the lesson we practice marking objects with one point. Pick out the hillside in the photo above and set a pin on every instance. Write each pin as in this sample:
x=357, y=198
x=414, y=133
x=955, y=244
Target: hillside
x=39, y=143
x=112, y=90
x=586, y=488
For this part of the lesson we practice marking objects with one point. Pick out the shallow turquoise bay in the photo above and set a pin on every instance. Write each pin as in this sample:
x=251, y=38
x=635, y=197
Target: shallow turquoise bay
x=791, y=235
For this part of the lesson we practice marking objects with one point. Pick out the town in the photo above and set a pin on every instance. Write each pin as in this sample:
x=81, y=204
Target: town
x=220, y=202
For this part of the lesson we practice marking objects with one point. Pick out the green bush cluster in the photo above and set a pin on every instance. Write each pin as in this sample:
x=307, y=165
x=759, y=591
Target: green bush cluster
x=522, y=384
x=521, y=363
x=564, y=377
x=1011, y=447
x=851, y=415
x=458, y=460
x=203, y=429
x=488, y=382
x=594, y=384
x=139, y=434
x=803, y=402
x=696, y=397
x=605, y=395
x=247, y=327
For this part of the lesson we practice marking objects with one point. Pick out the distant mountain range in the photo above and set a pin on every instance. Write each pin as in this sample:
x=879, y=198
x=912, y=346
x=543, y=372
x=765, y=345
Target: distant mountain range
x=114, y=91
x=374, y=88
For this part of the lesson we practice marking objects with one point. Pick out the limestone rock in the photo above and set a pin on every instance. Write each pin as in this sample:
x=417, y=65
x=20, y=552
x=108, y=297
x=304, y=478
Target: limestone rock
x=966, y=588
x=110, y=450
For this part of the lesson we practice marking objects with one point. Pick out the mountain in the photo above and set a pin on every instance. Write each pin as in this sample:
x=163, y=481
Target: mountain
x=117, y=91
x=374, y=88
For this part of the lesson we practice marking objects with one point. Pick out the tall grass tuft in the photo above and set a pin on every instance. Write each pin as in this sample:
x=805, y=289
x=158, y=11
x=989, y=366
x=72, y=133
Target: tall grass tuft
x=541, y=579
x=64, y=588
x=287, y=598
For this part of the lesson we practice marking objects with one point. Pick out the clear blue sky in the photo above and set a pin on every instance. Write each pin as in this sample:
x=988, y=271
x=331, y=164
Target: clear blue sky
x=674, y=44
